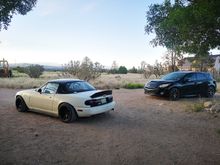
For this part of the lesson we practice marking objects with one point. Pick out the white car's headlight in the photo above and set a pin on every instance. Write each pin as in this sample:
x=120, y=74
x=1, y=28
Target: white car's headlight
x=164, y=85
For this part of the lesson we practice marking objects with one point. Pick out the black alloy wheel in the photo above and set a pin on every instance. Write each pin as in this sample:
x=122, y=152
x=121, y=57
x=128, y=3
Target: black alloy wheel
x=20, y=104
x=210, y=91
x=174, y=94
x=67, y=114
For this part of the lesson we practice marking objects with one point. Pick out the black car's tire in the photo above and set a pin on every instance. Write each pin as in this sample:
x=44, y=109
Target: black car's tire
x=174, y=94
x=210, y=91
x=67, y=113
x=20, y=104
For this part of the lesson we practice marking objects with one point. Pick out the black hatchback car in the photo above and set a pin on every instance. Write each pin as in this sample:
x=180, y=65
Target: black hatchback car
x=182, y=83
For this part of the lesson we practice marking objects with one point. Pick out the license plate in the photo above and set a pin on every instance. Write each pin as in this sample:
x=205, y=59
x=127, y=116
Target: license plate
x=103, y=101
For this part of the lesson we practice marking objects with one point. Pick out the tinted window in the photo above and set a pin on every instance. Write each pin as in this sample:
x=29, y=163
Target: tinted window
x=208, y=76
x=201, y=76
x=50, y=88
x=76, y=86
x=174, y=76
x=190, y=77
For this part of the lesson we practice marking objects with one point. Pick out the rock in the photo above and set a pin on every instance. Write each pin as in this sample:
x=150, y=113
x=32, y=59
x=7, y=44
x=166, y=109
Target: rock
x=118, y=77
x=207, y=104
x=161, y=104
x=215, y=108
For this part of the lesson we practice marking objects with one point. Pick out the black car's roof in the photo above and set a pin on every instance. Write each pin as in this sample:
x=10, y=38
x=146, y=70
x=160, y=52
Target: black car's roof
x=186, y=71
x=64, y=80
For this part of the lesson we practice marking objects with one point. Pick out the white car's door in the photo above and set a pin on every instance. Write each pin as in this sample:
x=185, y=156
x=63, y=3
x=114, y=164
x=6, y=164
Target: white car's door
x=43, y=100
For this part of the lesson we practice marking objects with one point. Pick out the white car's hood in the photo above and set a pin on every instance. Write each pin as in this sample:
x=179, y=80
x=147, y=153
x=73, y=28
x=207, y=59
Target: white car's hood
x=27, y=91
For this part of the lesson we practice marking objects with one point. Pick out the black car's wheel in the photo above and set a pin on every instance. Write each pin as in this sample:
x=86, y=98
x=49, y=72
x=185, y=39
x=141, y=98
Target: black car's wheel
x=210, y=91
x=174, y=94
x=20, y=104
x=67, y=113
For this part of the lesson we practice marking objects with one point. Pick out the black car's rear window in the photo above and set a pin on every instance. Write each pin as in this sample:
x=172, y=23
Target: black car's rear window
x=209, y=76
x=75, y=87
x=174, y=76
x=202, y=76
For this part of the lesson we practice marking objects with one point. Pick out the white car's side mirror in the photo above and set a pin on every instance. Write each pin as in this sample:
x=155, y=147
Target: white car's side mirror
x=39, y=90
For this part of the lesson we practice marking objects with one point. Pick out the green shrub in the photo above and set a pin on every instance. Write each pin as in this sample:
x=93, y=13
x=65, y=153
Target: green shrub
x=133, y=86
x=34, y=71
x=197, y=107
x=122, y=70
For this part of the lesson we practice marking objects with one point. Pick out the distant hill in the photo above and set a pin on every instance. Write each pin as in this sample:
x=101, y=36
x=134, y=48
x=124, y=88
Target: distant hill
x=46, y=67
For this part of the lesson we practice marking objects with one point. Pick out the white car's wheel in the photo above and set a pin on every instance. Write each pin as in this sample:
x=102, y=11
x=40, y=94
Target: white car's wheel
x=67, y=113
x=20, y=104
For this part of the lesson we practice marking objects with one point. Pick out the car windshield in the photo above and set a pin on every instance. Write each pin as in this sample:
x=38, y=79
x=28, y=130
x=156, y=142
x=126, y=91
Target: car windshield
x=174, y=76
x=76, y=86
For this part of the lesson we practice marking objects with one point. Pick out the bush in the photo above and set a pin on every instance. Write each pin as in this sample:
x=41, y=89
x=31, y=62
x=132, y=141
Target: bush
x=133, y=70
x=20, y=69
x=197, y=107
x=86, y=70
x=133, y=86
x=34, y=71
x=122, y=70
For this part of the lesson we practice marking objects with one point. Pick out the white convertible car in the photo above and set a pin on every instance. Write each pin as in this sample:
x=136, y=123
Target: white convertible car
x=66, y=98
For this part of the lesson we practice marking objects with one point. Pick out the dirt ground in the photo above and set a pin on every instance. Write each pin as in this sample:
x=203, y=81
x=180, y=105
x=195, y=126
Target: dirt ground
x=142, y=130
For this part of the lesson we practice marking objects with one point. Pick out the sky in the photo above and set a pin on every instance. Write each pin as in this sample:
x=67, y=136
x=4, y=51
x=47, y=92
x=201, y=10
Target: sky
x=57, y=31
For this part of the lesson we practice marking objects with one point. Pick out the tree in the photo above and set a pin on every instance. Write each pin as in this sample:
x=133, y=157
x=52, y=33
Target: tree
x=148, y=70
x=143, y=66
x=72, y=67
x=34, y=71
x=10, y=7
x=86, y=70
x=114, y=68
x=191, y=26
x=122, y=70
x=203, y=63
x=157, y=21
x=171, y=60
x=158, y=69
x=133, y=70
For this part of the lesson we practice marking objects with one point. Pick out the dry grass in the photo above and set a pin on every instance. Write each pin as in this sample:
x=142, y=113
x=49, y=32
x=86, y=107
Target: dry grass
x=218, y=87
x=21, y=82
x=116, y=81
x=105, y=81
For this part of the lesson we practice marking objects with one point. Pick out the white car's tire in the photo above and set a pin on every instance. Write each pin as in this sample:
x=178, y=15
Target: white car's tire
x=67, y=113
x=20, y=104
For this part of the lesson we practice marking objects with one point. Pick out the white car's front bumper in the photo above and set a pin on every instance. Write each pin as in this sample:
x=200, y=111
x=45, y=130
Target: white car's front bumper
x=85, y=112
